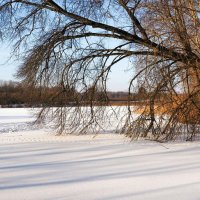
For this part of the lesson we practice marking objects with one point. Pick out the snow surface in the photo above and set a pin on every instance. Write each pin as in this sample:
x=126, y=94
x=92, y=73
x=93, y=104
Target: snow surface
x=36, y=164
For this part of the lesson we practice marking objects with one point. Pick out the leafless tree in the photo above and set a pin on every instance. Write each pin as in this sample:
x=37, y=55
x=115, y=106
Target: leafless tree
x=75, y=44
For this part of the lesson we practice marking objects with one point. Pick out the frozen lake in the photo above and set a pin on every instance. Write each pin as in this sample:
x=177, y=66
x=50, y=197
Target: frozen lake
x=36, y=164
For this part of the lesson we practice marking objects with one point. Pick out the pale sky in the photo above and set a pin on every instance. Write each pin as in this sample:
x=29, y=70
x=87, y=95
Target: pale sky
x=118, y=79
x=8, y=66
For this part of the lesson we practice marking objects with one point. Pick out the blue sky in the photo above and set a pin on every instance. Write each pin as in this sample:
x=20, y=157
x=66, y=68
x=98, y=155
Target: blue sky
x=118, y=79
x=8, y=66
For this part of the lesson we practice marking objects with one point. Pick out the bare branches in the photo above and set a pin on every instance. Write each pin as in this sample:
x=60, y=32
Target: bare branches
x=74, y=46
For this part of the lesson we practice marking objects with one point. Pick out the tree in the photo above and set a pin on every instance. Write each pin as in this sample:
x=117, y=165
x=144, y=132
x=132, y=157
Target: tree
x=76, y=44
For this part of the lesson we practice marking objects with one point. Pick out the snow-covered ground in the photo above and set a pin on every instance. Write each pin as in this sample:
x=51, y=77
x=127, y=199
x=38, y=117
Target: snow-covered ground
x=36, y=164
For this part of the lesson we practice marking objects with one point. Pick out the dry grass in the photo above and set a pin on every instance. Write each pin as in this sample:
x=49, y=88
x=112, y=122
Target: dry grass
x=185, y=111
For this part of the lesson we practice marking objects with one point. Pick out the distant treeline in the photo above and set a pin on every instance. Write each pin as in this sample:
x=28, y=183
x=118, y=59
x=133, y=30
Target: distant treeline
x=19, y=94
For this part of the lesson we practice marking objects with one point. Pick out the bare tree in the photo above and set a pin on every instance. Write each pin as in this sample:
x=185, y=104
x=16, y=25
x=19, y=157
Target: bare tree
x=75, y=44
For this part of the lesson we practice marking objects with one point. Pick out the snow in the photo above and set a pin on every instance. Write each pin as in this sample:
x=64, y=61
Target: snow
x=37, y=164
